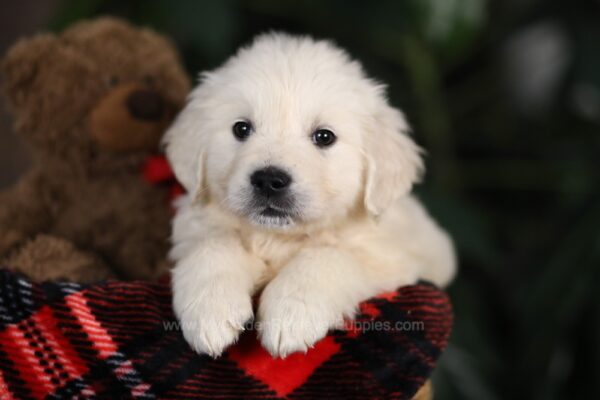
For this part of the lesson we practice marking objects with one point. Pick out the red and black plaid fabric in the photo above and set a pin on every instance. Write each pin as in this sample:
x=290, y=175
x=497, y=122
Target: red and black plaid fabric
x=120, y=340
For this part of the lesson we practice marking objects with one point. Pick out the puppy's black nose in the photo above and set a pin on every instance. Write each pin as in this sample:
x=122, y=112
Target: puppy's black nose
x=270, y=181
x=146, y=105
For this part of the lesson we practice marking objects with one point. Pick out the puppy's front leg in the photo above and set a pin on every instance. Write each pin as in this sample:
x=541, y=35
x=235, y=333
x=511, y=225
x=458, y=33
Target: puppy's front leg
x=312, y=294
x=212, y=289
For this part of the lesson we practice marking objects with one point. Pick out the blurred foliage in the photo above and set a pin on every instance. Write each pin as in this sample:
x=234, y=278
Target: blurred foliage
x=505, y=96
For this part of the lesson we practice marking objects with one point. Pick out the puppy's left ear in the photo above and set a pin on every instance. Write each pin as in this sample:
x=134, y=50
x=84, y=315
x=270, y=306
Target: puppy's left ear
x=394, y=160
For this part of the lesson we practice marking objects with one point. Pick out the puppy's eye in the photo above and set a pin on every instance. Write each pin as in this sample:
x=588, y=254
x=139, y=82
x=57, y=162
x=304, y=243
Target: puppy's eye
x=323, y=137
x=242, y=129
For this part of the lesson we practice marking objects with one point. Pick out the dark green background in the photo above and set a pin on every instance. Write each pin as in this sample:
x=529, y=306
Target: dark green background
x=513, y=164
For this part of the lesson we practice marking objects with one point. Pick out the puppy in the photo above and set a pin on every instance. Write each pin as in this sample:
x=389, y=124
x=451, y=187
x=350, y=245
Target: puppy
x=298, y=174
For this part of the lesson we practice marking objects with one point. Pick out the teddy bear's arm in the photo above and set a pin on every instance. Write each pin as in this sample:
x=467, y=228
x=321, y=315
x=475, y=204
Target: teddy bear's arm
x=24, y=212
x=141, y=255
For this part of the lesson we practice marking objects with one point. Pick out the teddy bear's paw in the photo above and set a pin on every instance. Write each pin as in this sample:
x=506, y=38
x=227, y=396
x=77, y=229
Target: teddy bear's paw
x=47, y=257
x=290, y=324
x=213, y=321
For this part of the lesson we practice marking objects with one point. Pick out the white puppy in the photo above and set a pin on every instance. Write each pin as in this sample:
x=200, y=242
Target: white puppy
x=298, y=173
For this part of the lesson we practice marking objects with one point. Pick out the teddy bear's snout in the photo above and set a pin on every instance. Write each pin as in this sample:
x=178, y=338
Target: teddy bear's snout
x=146, y=105
x=129, y=117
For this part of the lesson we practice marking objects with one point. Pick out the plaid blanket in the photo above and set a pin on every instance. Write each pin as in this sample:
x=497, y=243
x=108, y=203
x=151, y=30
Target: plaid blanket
x=120, y=340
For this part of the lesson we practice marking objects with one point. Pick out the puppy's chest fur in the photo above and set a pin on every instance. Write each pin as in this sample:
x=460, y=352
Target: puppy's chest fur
x=276, y=250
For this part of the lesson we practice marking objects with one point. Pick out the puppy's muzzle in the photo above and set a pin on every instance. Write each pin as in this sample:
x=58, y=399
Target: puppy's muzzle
x=270, y=182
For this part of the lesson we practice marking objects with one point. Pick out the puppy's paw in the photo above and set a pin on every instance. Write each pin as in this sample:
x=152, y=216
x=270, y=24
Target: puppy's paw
x=212, y=321
x=293, y=324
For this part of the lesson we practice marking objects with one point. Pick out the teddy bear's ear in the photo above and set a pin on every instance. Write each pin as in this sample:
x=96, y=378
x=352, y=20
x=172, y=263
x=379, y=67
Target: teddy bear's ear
x=21, y=63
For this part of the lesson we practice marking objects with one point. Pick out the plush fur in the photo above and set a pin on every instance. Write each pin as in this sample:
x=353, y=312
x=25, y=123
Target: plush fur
x=351, y=230
x=83, y=212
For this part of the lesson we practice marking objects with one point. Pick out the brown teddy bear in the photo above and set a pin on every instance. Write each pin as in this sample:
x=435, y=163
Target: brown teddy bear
x=92, y=103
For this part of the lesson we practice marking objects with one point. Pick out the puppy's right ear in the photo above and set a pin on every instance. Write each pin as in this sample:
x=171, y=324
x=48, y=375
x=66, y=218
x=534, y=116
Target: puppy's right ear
x=184, y=144
x=394, y=160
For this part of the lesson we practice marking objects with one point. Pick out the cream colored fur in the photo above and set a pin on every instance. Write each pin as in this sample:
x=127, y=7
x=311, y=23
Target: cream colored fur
x=356, y=231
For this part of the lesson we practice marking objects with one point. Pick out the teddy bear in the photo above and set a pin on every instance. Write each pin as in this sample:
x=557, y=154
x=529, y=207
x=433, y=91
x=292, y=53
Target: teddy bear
x=91, y=104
